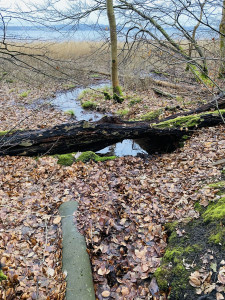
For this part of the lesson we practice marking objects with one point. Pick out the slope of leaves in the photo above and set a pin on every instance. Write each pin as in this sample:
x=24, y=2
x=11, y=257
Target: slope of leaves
x=123, y=206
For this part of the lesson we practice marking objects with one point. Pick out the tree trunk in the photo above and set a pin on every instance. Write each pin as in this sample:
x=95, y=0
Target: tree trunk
x=83, y=136
x=113, y=40
x=222, y=42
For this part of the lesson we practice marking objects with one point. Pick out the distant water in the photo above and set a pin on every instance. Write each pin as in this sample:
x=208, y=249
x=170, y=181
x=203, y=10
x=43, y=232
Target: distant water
x=86, y=33
x=53, y=35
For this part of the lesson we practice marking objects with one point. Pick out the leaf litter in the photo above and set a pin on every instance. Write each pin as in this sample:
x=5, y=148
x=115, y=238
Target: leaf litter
x=123, y=206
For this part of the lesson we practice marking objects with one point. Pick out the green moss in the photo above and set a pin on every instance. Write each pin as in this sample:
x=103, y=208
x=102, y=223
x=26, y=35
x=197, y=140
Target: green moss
x=95, y=76
x=161, y=275
x=24, y=94
x=89, y=155
x=151, y=115
x=218, y=237
x=200, y=76
x=9, y=80
x=186, y=121
x=118, y=91
x=176, y=253
x=65, y=159
x=122, y=112
x=170, y=227
x=185, y=137
x=215, y=211
x=218, y=185
x=8, y=132
x=135, y=101
x=172, y=237
x=117, y=98
x=70, y=112
x=198, y=207
x=174, y=276
x=107, y=95
x=89, y=104
x=2, y=276
x=3, y=132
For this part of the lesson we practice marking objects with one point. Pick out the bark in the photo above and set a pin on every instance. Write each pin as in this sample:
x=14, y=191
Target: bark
x=83, y=136
x=217, y=102
x=222, y=42
x=113, y=40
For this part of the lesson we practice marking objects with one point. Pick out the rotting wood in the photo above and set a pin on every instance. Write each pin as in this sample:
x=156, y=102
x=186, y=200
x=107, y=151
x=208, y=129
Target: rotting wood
x=162, y=93
x=84, y=136
x=217, y=102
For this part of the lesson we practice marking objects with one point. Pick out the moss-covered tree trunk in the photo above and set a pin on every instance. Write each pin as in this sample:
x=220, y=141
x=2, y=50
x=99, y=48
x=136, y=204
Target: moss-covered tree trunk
x=222, y=42
x=113, y=40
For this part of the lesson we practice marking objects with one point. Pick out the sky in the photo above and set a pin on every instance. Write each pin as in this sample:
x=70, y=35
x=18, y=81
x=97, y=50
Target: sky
x=13, y=5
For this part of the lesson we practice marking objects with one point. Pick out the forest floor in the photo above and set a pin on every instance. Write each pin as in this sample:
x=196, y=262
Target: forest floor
x=124, y=205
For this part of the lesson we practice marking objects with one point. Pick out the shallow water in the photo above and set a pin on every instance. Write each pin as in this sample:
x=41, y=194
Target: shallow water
x=69, y=101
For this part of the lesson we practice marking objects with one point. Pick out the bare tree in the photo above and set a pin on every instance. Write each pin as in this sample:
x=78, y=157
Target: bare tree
x=222, y=41
x=114, y=55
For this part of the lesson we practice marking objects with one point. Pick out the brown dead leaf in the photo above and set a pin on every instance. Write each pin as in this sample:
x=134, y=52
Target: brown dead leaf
x=219, y=296
x=221, y=275
x=105, y=294
x=57, y=220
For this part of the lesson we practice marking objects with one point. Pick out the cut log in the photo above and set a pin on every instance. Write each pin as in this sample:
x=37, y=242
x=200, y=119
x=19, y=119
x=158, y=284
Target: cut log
x=83, y=136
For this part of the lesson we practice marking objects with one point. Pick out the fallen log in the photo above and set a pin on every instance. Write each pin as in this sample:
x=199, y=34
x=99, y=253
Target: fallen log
x=217, y=102
x=84, y=136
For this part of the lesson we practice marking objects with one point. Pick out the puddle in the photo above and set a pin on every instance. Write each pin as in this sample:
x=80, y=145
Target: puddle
x=126, y=147
x=69, y=101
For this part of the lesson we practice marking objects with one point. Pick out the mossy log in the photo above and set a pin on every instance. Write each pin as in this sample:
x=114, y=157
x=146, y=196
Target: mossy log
x=85, y=136
x=217, y=102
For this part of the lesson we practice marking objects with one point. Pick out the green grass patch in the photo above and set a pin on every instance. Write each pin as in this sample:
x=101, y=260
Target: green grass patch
x=89, y=104
x=70, y=112
x=122, y=112
x=84, y=93
x=24, y=94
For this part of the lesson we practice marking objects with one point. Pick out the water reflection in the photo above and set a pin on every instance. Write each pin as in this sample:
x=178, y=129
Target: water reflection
x=69, y=101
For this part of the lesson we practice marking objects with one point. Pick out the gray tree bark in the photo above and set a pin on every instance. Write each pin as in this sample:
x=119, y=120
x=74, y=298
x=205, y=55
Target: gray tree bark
x=113, y=40
x=222, y=42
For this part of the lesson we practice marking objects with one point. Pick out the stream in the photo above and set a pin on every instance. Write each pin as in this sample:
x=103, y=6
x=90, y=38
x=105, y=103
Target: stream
x=68, y=101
